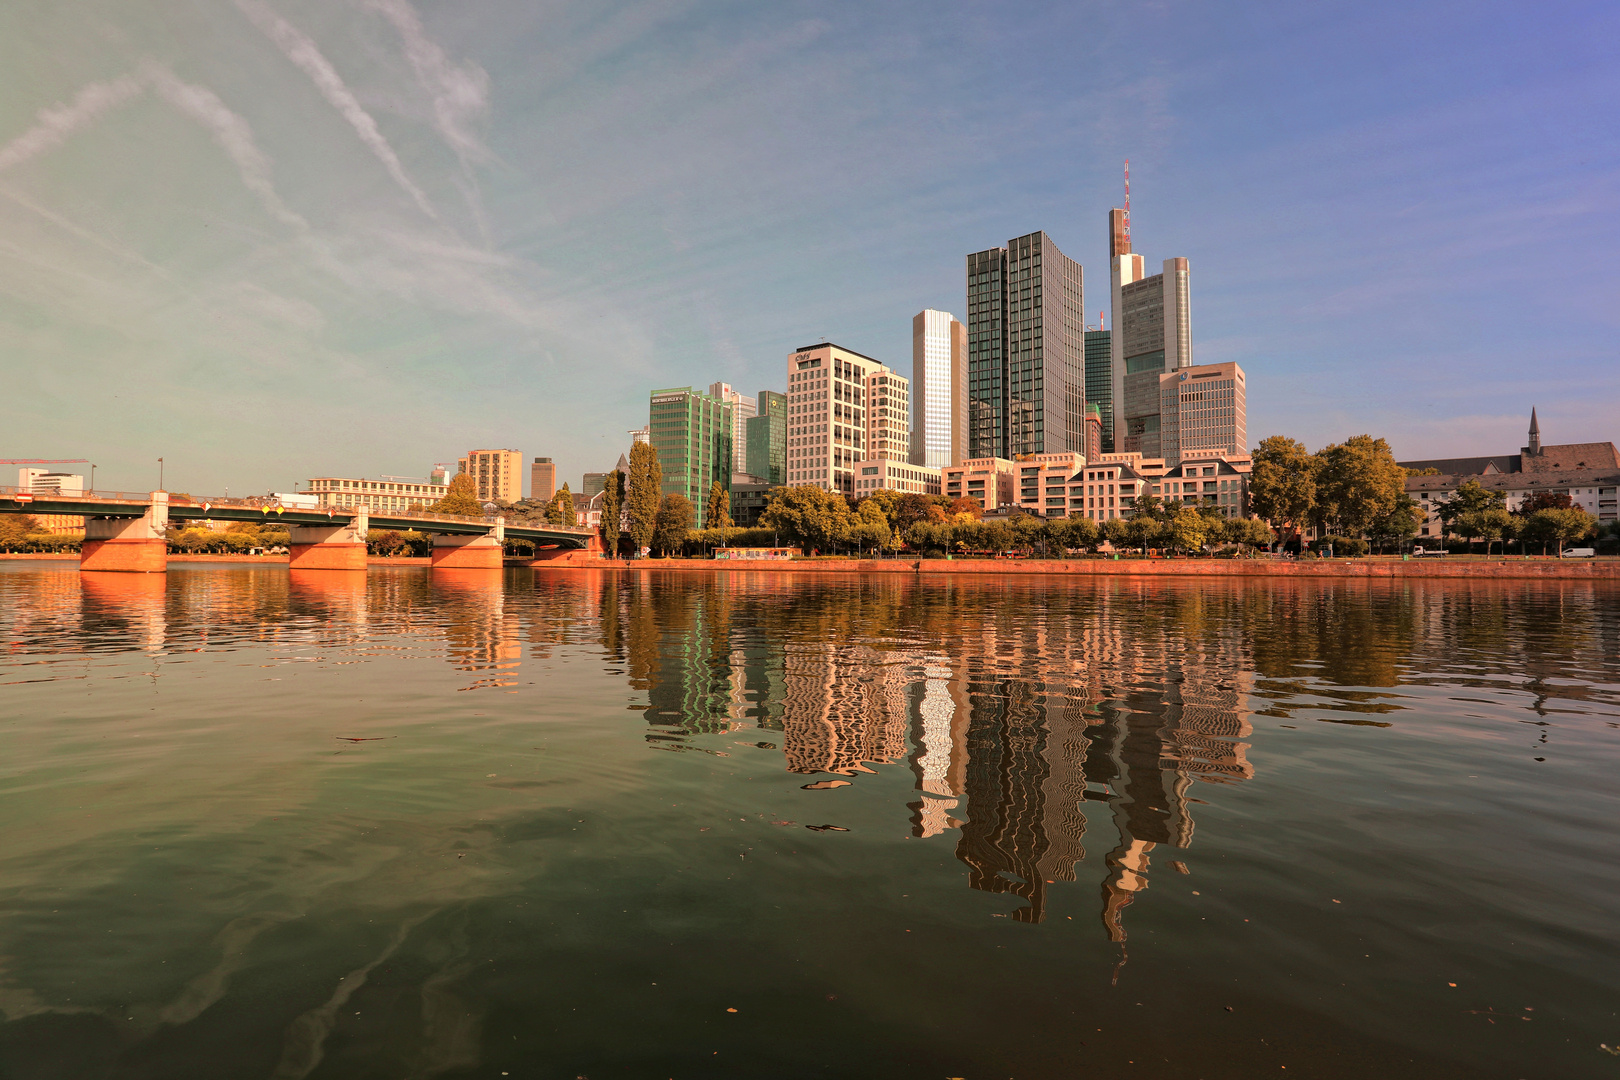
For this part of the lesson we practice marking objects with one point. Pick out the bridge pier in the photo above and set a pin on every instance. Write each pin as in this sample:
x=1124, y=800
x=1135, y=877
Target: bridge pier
x=339, y=546
x=132, y=545
x=591, y=552
x=484, y=552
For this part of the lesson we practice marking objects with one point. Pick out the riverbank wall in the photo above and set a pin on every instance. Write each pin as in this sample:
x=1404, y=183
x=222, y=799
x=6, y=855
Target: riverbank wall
x=1534, y=569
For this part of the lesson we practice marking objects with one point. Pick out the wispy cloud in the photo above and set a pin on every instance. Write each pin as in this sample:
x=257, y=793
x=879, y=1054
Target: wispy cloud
x=459, y=94
x=230, y=132
x=56, y=122
x=299, y=48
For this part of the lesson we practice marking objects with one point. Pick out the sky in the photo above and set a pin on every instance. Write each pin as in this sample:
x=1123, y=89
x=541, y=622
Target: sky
x=267, y=240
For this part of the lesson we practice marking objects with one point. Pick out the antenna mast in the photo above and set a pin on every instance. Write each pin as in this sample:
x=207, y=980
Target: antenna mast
x=1127, y=204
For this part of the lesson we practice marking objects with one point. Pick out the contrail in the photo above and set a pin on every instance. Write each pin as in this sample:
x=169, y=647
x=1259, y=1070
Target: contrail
x=460, y=95
x=56, y=122
x=229, y=130
x=299, y=48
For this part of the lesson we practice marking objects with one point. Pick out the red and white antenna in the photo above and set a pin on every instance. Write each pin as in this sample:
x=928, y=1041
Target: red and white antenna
x=1127, y=222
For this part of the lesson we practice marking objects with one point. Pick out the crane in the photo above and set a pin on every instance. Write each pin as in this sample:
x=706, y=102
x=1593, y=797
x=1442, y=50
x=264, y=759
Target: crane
x=45, y=461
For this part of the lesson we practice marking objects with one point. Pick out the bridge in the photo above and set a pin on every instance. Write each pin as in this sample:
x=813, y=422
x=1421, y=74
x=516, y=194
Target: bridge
x=126, y=531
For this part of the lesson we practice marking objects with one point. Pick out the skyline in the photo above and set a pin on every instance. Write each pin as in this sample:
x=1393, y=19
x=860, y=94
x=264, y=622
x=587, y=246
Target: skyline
x=263, y=240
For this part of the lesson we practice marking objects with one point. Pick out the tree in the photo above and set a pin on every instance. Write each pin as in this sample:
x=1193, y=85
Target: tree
x=1282, y=484
x=612, y=511
x=1357, y=482
x=1548, y=526
x=672, y=523
x=560, y=511
x=1545, y=500
x=16, y=528
x=869, y=527
x=1135, y=531
x=1397, y=526
x=964, y=505
x=1249, y=532
x=808, y=515
x=1149, y=507
x=910, y=509
x=461, y=497
x=1458, y=513
x=1027, y=531
x=1186, y=531
x=641, y=504
x=1072, y=532
x=719, y=513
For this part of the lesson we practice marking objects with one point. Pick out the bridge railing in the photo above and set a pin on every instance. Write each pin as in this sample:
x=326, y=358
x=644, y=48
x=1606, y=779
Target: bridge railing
x=270, y=503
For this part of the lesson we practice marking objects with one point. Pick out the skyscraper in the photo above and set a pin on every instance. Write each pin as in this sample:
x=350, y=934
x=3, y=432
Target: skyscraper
x=1026, y=350
x=767, y=438
x=1152, y=334
x=542, y=478
x=939, y=385
x=843, y=407
x=692, y=433
x=741, y=409
x=1100, y=380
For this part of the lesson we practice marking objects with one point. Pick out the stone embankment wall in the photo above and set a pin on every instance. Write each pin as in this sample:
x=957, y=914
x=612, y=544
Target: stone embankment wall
x=1504, y=569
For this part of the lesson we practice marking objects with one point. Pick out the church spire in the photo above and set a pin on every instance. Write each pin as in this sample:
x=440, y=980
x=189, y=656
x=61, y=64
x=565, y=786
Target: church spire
x=1535, y=432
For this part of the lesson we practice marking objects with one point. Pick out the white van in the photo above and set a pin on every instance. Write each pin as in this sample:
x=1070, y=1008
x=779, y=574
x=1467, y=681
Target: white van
x=1580, y=553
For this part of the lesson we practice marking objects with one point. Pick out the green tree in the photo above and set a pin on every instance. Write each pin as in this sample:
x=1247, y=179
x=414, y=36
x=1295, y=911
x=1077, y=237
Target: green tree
x=719, y=511
x=869, y=527
x=1186, y=531
x=672, y=523
x=561, y=509
x=461, y=497
x=1560, y=526
x=807, y=515
x=1357, y=482
x=1249, y=532
x=1135, y=531
x=612, y=511
x=1397, y=526
x=910, y=509
x=1460, y=512
x=1066, y=534
x=15, y=529
x=1282, y=484
x=641, y=504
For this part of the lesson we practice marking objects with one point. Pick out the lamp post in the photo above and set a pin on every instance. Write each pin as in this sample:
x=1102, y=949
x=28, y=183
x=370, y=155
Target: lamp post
x=92, y=478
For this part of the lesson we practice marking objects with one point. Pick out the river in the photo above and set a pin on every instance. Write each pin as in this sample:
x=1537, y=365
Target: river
x=411, y=823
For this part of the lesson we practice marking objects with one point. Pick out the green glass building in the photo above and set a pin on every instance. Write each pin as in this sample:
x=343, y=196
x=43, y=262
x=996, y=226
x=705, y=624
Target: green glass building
x=692, y=433
x=767, y=438
x=1100, y=380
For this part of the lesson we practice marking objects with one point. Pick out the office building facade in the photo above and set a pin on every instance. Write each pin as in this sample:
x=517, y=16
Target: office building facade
x=343, y=492
x=1152, y=335
x=692, y=433
x=1026, y=350
x=497, y=474
x=767, y=439
x=843, y=408
x=1100, y=381
x=1202, y=409
x=891, y=474
x=542, y=478
x=742, y=408
x=989, y=480
x=939, y=389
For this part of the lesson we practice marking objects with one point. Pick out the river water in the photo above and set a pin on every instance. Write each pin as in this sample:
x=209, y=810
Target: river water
x=412, y=823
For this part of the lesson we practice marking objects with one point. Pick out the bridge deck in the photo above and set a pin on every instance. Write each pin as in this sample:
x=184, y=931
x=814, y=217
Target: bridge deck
x=260, y=511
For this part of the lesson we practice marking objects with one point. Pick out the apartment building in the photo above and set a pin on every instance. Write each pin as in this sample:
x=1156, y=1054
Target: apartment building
x=843, y=408
x=342, y=492
x=497, y=474
x=1043, y=482
x=989, y=480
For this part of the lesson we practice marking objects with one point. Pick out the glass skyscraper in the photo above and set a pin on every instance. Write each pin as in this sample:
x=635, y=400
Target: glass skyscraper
x=692, y=433
x=1026, y=350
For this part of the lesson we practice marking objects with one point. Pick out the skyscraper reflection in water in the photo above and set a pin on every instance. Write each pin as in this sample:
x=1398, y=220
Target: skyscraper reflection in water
x=1010, y=718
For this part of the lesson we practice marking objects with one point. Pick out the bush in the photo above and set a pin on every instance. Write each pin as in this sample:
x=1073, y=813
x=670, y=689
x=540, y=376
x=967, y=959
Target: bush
x=1344, y=547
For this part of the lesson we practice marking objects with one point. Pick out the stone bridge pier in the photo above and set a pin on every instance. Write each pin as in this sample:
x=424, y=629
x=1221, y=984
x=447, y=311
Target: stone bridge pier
x=338, y=546
x=128, y=544
x=482, y=552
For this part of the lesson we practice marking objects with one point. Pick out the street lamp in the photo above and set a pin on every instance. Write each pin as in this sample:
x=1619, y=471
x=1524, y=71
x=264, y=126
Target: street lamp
x=92, y=478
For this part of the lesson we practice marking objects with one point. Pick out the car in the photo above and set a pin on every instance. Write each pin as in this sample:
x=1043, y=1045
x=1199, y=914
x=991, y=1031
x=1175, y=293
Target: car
x=1579, y=553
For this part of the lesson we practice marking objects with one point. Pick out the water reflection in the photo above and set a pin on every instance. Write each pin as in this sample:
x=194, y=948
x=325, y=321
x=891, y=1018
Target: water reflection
x=994, y=723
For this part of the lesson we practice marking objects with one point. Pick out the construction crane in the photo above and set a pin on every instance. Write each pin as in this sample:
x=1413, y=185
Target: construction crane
x=45, y=461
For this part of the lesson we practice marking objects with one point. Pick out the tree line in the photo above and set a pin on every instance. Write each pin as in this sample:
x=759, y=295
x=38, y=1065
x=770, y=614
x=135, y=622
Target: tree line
x=1354, y=490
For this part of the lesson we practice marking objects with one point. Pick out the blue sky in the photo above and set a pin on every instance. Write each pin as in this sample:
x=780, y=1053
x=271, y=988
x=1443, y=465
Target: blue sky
x=275, y=239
